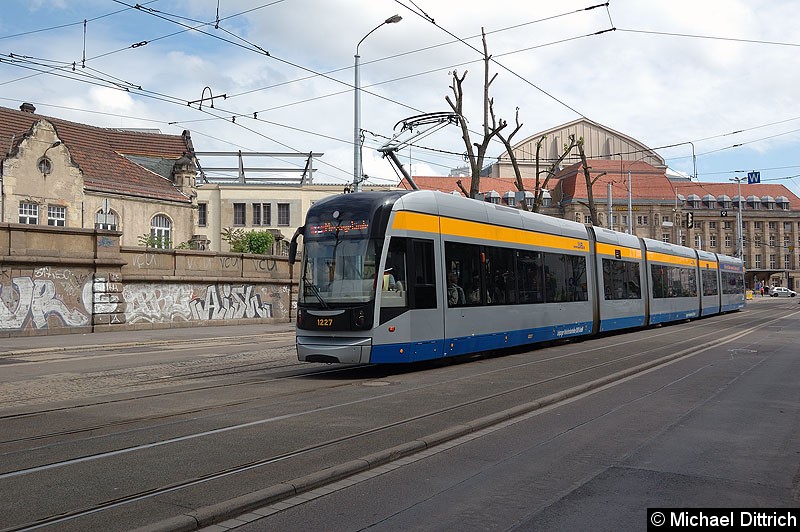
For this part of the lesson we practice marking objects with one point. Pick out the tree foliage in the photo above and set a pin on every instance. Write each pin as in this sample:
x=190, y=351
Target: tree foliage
x=154, y=242
x=255, y=242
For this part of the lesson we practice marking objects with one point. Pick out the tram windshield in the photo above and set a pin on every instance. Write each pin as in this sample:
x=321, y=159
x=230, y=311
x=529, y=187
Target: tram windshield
x=338, y=271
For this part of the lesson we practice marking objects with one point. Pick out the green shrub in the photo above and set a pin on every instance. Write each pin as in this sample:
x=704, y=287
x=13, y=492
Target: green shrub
x=154, y=242
x=241, y=241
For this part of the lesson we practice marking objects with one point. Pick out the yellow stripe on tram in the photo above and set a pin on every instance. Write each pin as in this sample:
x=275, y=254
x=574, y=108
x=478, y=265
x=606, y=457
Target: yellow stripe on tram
x=671, y=259
x=412, y=221
x=624, y=252
x=708, y=264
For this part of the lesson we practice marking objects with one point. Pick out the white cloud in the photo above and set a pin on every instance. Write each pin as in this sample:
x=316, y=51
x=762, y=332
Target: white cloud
x=658, y=88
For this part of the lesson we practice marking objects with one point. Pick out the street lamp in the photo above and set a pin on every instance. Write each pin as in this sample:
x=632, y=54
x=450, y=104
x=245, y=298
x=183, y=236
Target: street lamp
x=357, y=171
x=740, y=237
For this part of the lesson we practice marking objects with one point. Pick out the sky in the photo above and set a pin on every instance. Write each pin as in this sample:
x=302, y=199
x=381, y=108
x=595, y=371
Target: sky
x=713, y=79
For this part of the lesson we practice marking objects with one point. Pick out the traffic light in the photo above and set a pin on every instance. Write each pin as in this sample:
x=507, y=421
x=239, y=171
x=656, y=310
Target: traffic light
x=689, y=220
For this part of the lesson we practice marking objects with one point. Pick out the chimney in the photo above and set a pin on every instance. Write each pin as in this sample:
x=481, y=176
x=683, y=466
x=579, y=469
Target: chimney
x=27, y=108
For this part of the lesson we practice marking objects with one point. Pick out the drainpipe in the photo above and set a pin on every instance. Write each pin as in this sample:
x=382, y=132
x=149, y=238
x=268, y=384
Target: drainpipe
x=2, y=192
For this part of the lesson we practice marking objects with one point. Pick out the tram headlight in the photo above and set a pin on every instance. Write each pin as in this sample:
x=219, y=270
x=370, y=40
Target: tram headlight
x=300, y=317
x=360, y=319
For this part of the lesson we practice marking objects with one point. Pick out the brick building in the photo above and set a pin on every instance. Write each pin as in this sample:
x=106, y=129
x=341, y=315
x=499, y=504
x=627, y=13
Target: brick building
x=663, y=206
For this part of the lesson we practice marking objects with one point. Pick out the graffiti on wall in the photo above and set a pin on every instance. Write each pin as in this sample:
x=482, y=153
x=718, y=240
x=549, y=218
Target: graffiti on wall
x=168, y=302
x=48, y=298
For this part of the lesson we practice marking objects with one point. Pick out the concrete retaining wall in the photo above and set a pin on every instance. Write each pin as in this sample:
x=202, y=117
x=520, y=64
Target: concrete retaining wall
x=59, y=281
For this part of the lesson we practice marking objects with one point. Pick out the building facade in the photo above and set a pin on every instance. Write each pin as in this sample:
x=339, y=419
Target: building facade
x=633, y=191
x=599, y=142
x=279, y=209
x=64, y=174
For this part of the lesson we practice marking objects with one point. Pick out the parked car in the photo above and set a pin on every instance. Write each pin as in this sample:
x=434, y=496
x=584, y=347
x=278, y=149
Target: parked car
x=781, y=291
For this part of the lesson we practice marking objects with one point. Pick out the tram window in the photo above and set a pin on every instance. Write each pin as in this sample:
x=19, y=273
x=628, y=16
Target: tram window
x=554, y=277
x=710, y=286
x=530, y=269
x=732, y=283
x=393, y=280
x=463, y=271
x=564, y=278
x=578, y=288
x=621, y=279
x=424, y=275
x=673, y=281
x=501, y=285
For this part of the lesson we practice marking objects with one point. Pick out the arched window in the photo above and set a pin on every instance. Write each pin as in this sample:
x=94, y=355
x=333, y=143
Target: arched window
x=106, y=220
x=161, y=231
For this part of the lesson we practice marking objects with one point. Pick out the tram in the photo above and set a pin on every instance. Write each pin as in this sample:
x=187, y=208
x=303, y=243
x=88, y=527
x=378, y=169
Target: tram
x=406, y=276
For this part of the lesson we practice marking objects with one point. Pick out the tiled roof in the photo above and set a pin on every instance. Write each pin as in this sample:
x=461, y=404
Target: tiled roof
x=648, y=184
x=448, y=184
x=101, y=153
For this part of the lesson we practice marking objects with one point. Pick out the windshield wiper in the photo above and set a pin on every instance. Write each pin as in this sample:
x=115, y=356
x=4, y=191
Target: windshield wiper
x=315, y=290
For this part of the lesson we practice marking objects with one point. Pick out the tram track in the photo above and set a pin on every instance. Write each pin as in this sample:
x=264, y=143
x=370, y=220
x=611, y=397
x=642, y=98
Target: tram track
x=204, y=374
x=47, y=355
x=758, y=320
x=304, y=374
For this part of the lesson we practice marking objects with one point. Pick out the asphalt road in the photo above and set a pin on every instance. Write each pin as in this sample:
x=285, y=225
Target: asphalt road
x=175, y=431
x=718, y=429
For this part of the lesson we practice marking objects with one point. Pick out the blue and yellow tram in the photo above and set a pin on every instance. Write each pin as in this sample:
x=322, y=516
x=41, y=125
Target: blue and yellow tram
x=398, y=277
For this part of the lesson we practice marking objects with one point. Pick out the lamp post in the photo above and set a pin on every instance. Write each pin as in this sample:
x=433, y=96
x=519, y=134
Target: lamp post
x=45, y=166
x=740, y=236
x=357, y=170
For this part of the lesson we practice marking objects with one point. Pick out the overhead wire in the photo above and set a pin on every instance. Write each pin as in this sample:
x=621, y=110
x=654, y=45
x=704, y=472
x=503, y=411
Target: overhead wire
x=709, y=37
x=261, y=50
x=429, y=19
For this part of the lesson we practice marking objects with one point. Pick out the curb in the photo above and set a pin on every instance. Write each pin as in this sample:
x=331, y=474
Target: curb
x=122, y=345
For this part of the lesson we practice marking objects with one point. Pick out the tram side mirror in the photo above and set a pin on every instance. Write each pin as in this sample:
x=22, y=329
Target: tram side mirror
x=293, y=245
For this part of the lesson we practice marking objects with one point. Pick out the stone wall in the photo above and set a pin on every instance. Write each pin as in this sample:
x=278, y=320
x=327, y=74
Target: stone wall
x=58, y=281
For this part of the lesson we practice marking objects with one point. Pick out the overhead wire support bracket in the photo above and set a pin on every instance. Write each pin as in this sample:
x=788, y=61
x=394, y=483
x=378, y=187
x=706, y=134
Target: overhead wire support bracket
x=210, y=97
x=435, y=120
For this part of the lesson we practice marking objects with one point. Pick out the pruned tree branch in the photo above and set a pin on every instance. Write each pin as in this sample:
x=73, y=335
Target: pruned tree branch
x=589, y=183
x=463, y=190
x=551, y=171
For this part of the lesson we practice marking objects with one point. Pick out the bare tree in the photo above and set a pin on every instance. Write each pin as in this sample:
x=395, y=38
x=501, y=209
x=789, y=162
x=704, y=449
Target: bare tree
x=589, y=183
x=550, y=172
x=506, y=140
x=476, y=152
x=493, y=127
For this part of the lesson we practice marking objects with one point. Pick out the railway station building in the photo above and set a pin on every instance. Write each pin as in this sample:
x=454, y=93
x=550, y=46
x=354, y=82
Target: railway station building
x=58, y=173
x=663, y=205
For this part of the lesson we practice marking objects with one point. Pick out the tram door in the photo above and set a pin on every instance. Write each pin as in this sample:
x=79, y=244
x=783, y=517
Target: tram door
x=410, y=267
x=426, y=318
